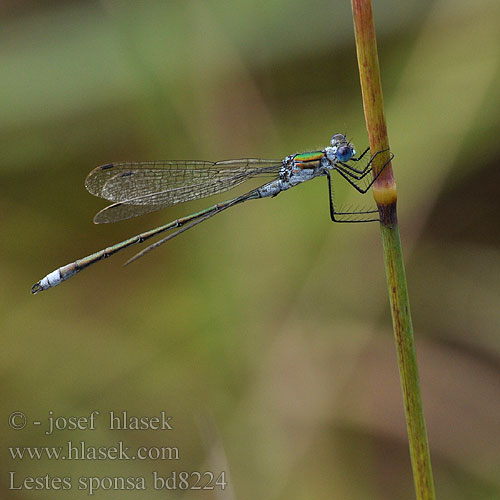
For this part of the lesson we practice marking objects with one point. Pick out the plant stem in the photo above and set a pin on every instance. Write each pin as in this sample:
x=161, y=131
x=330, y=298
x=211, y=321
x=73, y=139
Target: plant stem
x=385, y=194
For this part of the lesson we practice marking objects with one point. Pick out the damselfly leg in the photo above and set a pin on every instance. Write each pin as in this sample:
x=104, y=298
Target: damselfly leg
x=346, y=171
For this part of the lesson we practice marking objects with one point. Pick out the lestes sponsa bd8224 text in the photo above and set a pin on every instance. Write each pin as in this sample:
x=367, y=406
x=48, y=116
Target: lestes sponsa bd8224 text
x=138, y=188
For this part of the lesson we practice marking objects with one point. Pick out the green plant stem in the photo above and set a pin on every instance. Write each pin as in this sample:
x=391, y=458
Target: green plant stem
x=385, y=194
x=407, y=361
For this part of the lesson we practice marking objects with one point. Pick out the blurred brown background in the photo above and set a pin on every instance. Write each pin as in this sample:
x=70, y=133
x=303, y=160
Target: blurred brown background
x=265, y=332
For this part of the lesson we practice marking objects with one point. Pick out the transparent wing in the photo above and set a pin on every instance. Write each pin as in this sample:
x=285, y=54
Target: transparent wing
x=98, y=177
x=140, y=188
x=121, y=211
x=130, y=182
x=140, y=205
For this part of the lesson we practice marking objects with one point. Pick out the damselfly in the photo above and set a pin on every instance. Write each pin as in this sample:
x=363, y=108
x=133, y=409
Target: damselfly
x=138, y=188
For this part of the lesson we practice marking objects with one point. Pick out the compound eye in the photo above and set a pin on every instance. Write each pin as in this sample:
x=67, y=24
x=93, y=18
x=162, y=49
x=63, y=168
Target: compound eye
x=345, y=153
x=338, y=139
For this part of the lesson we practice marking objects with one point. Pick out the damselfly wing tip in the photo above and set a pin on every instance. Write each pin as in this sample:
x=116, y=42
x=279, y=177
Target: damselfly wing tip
x=100, y=217
x=129, y=261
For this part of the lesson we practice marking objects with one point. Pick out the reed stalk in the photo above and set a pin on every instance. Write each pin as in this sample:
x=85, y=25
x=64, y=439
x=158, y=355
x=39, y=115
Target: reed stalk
x=385, y=194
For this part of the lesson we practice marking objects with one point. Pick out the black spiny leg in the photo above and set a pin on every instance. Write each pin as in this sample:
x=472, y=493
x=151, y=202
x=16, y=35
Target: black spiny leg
x=346, y=171
x=354, y=176
x=366, y=168
x=362, y=154
x=355, y=216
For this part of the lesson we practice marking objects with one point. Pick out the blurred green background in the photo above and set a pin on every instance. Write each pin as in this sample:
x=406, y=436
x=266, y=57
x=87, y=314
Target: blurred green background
x=264, y=332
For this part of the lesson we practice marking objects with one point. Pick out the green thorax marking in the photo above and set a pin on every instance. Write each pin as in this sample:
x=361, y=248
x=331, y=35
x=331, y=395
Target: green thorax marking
x=308, y=160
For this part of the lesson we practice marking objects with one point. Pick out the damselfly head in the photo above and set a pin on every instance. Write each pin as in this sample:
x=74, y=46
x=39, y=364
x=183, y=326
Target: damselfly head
x=342, y=148
x=345, y=153
x=339, y=139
